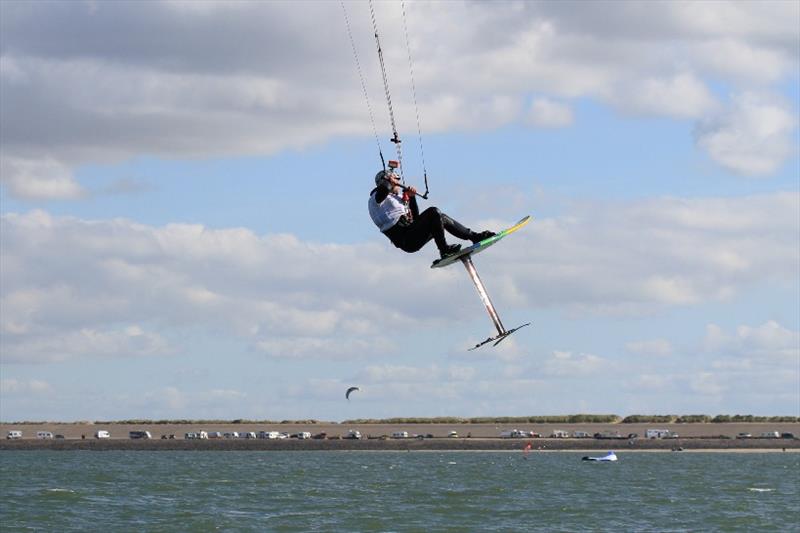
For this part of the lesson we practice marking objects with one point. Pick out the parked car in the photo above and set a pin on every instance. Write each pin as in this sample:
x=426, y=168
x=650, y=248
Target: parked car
x=453, y=434
x=787, y=435
x=744, y=436
x=139, y=435
x=659, y=434
x=59, y=436
x=581, y=435
x=353, y=434
x=44, y=435
x=14, y=434
x=770, y=435
x=102, y=434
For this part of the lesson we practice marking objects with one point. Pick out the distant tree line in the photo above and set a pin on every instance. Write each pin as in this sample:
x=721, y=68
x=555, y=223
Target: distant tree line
x=704, y=419
x=554, y=419
x=557, y=419
x=136, y=421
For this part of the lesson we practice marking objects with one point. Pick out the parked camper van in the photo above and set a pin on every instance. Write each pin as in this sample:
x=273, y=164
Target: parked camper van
x=44, y=435
x=400, y=435
x=14, y=434
x=659, y=434
x=513, y=434
x=102, y=434
x=304, y=435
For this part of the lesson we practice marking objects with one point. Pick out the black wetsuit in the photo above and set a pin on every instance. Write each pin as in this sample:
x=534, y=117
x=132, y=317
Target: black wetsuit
x=411, y=235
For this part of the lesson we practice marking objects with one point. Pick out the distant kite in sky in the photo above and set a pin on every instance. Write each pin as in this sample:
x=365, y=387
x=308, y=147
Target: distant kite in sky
x=351, y=389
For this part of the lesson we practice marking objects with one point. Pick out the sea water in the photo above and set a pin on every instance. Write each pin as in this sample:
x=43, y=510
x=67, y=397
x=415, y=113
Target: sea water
x=397, y=491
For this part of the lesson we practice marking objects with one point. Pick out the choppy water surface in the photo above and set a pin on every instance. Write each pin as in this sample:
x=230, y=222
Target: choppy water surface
x=392, y=491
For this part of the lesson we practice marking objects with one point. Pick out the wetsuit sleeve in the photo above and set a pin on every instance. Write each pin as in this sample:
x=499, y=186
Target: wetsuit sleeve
x=412, y=203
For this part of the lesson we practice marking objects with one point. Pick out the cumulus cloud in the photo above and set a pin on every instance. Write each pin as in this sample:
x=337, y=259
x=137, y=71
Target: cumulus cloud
x=563, y=364
x=656, y=252
x=754, y=136
x=10, y=387
x=682, y=95
x=86, y=82
x=61, y=346
x=769, y=341
x=655, y=347
x=549, y=114
x=39, y=179
x=116, y=288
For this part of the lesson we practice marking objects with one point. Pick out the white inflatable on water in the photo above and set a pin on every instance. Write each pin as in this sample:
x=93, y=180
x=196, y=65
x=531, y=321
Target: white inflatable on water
x=610, y=456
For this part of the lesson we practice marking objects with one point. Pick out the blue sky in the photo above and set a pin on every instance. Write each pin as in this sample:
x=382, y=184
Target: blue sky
x=184, y=225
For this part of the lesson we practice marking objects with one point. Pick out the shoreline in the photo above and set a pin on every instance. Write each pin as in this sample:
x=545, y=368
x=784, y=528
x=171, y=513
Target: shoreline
x=407, y=445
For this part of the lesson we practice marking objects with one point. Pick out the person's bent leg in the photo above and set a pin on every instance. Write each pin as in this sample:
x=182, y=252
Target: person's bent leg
x=462, y=232
x=428, y=225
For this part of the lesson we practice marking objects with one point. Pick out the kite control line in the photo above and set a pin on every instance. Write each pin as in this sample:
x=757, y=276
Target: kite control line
x=393, y=165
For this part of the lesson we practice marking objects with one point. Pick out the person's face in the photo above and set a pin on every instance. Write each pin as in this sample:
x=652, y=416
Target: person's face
x=393, y=178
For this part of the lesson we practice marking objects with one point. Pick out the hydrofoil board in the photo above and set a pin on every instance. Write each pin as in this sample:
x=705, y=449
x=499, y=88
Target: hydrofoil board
x=479, y=246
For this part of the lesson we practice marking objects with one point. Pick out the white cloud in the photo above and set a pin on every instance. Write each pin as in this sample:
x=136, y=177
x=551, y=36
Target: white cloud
x=681, y=96
x=10, y=386
x=115, y=288
x=769, y=341
x=655, y=347
x=113, y=93
x=461, y=373
x=550, y=114
x=741, y=60
x=400, y=374
x=707, y=384
x=310, y=347
x=61, y=346
x=754, y=137
x=39, y=179
x=567, y=364
x=633, y=257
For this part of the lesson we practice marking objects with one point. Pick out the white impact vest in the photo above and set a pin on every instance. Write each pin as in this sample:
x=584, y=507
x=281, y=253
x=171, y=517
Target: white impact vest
x=387, y=213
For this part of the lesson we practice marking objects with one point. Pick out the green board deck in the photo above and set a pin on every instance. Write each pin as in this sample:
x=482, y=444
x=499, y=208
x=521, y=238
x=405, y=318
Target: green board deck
x=479, y=246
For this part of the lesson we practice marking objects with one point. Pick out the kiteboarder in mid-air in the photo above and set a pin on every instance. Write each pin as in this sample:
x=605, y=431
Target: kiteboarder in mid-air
x=394, y=210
